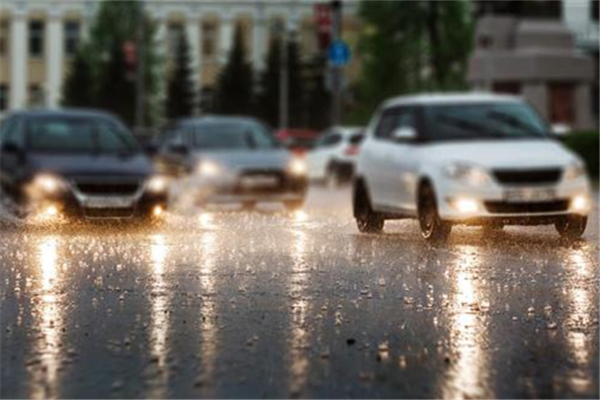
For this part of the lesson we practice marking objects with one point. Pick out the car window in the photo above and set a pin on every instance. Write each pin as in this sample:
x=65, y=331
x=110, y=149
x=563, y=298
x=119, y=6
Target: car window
x=15, y=134
x=5, y=128
x=395, y=118
x=489, y=120
x=329, y=140
x=231, y=135
x=112, y=138
x=356, y=139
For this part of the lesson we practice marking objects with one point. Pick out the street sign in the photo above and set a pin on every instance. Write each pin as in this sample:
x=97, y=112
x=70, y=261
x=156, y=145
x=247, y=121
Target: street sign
x=338, y=53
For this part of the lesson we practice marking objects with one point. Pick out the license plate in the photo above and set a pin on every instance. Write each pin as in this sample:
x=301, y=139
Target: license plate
x=529, y=194
x=109, y=202
x=253, y=182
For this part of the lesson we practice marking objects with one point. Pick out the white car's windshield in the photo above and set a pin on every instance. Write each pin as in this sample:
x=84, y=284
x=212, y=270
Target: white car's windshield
x=500, y=120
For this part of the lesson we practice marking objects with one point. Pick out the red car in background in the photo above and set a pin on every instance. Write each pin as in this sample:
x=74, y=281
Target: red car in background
x=299, y=141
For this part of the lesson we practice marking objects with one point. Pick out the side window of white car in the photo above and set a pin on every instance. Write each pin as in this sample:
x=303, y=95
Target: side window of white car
x=329, y=140
x=393, y=119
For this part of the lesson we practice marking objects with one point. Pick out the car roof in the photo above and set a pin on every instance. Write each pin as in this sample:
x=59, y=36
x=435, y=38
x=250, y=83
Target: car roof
x=63, y=112
x=216, y=119
x=348, y=130
x=450, y=98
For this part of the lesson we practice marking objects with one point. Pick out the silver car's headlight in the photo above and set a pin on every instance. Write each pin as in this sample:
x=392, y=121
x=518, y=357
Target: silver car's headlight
x=297, y=167
x=574, y=171
x=467, y=173
x=158, y=184
x=209, y=169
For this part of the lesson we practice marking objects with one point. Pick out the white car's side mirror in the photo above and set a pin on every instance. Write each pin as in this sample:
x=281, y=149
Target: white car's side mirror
x=561, y=129
x=404, y=133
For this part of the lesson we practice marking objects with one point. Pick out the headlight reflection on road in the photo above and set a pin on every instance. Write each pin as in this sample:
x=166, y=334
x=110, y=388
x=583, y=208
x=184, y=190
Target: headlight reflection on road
x=299, y=335
x=159, y=313
x=582, y=310
x=467, y=330
x=208, y=306
x=50, y=320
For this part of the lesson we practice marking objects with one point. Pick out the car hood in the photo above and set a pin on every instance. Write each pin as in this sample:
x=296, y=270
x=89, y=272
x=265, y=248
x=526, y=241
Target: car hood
x=504, y=154
x=244, y=159
x=68, y=165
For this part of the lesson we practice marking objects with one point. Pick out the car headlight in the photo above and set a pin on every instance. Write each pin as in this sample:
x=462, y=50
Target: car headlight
x=467, y=173
x=574, y=171
x=158, y=184
x=209, y=169
x=297, y=167
x=48, y=184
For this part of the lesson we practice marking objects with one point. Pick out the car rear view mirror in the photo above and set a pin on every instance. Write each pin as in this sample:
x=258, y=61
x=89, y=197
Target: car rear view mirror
x=560, y=130
x=404, y=133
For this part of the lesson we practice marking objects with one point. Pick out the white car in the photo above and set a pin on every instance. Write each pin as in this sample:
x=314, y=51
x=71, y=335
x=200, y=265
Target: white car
x=334, y=156
x=477, y=159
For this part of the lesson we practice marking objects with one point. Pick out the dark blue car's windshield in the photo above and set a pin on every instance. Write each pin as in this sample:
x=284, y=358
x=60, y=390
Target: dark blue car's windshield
x=79, y=135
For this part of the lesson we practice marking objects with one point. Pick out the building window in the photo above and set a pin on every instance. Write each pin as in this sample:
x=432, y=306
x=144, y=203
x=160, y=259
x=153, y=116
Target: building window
x=3, y=38
x=209, y=39
x=72, y=35
x=3, y=97
x=175, y=33
x=594, y=10
x=36, y=96
x=36, y=38
x=562, y=103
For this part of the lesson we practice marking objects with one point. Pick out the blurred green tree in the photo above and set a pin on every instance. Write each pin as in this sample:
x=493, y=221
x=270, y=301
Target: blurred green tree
x=181, y=92
x=234, y=92
x=113, y=33
x=268, y=97
x=78, y=88
x=411, y=46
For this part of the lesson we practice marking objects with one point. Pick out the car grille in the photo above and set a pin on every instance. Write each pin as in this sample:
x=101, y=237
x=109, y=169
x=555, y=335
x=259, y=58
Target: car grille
x=528, y=177
x=109, y=212
x=503, y=207
x=99, y=188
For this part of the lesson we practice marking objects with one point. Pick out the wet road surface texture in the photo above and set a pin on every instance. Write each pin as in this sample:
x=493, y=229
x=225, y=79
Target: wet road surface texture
x=276, y=304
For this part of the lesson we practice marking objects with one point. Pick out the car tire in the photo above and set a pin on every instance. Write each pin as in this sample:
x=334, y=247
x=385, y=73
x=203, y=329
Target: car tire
x=433, y=228
x=367, y=220
x=571, y=227
x=332, y=179
x=293, y=205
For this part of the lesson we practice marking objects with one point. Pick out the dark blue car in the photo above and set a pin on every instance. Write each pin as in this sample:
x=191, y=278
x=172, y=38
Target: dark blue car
x=77, y=163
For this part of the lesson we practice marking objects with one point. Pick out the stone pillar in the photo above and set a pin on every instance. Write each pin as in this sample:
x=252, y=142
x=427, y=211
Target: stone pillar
x=19, y=48
x=227, y=31
x=259, y=38
x=54, y=59
x=537, y=95
x=583, y=107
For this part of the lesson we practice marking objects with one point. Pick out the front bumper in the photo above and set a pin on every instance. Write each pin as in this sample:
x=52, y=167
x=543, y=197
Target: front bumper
x=468, y=205
x=72, y=204
x=231, y=190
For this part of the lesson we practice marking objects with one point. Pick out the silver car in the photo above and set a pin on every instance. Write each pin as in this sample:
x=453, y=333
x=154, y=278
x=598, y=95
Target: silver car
x=232, y=160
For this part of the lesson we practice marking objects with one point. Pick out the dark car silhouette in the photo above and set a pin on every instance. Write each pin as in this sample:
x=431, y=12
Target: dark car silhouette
x=77, y=163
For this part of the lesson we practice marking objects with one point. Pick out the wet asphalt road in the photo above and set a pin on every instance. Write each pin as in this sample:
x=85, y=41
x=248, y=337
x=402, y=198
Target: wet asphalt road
x=277, y=304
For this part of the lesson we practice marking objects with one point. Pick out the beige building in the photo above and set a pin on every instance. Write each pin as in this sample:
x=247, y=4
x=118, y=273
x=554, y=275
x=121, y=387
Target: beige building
x=38, y=38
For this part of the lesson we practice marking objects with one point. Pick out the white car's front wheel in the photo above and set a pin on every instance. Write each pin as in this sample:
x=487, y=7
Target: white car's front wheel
x=571, y=227
x=433, y=228
x=367, y=220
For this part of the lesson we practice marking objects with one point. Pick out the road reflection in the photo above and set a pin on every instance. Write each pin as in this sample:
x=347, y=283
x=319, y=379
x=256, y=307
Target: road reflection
x=468, y=329
x=581, y=304
x=298, y=341
x=48, y=317
x=159, y=313
x=208, y=305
